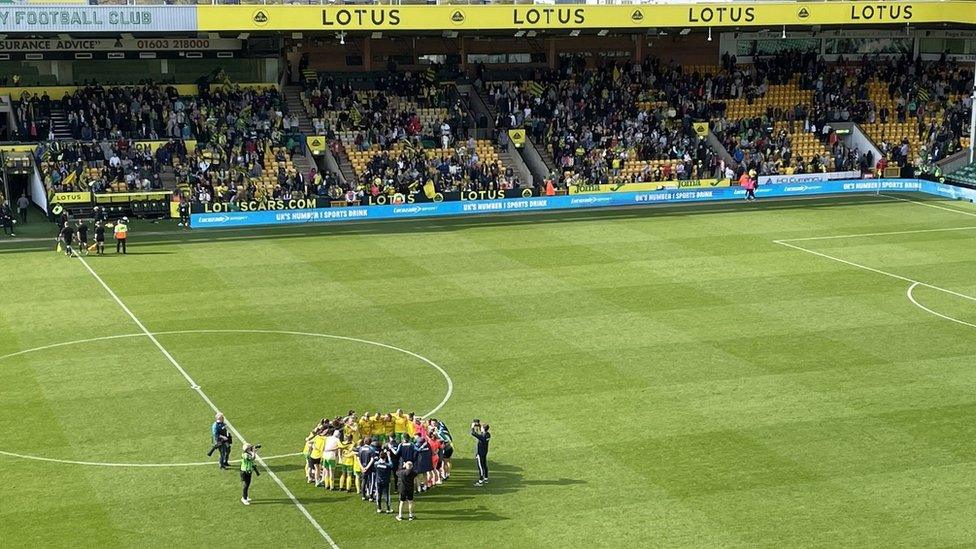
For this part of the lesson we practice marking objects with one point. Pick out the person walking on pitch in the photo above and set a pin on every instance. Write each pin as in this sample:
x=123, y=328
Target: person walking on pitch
x=22, y=205
x=99, y=238
x=65, y=239
x=82, y=233
x=222, y=440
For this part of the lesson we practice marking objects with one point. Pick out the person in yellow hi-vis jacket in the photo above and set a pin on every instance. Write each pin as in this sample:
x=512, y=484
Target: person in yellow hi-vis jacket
x=121, y=233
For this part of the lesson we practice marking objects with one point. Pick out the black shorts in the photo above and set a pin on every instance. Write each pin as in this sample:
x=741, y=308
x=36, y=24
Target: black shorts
x=406, y=496
x=245, y=476
x=448, y=453
x=314, y=461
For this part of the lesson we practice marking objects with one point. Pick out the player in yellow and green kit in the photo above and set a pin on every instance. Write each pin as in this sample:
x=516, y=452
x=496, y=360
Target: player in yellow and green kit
x=389, y=427
x=399, y=425
x=365, y=426
x=348, y=451
x=315, y=455
x=411, y=425
x=376, y=427
x=306, y=454
x=351, y=430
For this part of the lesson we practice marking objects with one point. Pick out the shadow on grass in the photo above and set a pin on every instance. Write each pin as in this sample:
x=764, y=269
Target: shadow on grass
x=458, y=499
x=282, y=467
x=479, y=514
x=288, y=501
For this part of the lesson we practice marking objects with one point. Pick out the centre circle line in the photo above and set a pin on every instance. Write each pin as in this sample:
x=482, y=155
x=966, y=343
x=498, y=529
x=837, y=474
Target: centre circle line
x=447, y=378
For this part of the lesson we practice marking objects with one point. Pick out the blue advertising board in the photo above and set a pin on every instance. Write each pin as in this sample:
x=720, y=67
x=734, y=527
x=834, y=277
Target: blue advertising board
x=567, y=202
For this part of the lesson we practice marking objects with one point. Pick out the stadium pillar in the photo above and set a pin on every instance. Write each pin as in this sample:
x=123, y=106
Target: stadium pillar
x=463, y=48
x=367, y=54
x=639, y=48
x=552, y=53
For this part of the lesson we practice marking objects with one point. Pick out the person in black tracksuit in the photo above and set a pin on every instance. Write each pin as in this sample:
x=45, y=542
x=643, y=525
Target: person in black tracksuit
x=82, y=237
x=99, y=238
x=67, y=236
x=382, y=471
x=366, y=455
x=406, y=478
x=482, y=434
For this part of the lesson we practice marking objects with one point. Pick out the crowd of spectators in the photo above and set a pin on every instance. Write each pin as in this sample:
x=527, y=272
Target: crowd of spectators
x=240, y=138
x=413, y=135
x=118, y=166
x=397, y=107
x=593, y=121
x=615, y=123
x=447, y=170
x=152, y=112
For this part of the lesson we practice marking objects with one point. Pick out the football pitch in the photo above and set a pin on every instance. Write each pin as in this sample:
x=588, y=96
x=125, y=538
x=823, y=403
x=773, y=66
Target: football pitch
x=786, y=373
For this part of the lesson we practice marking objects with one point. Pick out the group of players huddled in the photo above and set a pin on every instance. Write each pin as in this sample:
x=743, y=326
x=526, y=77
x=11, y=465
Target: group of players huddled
x=371, y=451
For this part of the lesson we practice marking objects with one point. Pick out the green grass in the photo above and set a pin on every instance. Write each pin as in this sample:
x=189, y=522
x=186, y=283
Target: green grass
x=655, y=377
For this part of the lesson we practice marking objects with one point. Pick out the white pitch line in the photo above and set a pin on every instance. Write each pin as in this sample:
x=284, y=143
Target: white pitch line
x=927, y=205
x=196, y=387
x=447, y=396
x=66, y=343
x=859, y=235
x=873, y=270
x=429, y=362
x=116, y=464
x=911, y=297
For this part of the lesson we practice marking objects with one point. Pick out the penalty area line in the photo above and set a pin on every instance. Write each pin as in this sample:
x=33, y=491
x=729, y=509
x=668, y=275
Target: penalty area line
x=864, y=235
x=196, y=387
x=927, y=205
x=873, y=270
x=911, y=297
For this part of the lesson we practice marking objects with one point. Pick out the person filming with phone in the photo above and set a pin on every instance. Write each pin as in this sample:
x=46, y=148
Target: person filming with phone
x=482, y=433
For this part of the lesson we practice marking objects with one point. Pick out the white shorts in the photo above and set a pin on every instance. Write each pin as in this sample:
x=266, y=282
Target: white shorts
x=329, y=456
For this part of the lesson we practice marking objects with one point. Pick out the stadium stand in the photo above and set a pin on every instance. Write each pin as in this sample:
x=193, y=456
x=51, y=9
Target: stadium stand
x=774, y=115
x=125, y=138
x=400, y=132
x=610, y=124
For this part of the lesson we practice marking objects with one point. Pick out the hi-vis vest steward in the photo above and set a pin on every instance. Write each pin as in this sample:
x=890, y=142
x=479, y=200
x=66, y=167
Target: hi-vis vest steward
x=121, y=230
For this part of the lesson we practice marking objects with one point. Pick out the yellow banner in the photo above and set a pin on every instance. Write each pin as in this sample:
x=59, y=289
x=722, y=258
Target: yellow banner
x=57, y=92
x=114, y=198
x=517, y=137
x=18, y=148
x=317, y=144
x=71, y=198
x=155, y=144
x=701, y=128
x=653, y=186
x=446, y=17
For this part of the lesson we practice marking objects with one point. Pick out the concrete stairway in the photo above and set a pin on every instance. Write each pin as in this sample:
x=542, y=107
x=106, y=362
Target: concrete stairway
x=59, y=122
x=304, y=162
x=293, y=98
